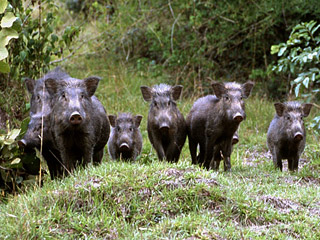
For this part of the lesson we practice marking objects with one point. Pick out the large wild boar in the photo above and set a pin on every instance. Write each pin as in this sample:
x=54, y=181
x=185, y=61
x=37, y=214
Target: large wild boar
x=213, y=121
x=78, y=122
x=166, y=125
x=286, y=136
x=39, y=124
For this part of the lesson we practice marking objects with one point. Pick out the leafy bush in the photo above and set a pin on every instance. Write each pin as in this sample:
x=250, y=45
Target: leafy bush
x=6, y=34
x=16, y=166
x=197, y=41
x=299, y=57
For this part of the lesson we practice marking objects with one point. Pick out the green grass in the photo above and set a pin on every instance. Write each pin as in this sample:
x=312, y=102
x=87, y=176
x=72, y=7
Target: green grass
x=149, y=199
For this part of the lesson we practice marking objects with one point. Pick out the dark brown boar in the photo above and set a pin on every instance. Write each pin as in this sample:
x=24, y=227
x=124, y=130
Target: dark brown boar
x=125, y=138
x=286, y=135
x=213, y=121
x=166, y=125
x=79, y=124
x=39, y=124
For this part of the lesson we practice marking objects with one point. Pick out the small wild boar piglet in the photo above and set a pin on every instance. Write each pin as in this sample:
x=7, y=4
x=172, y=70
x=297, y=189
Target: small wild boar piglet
x=213, y=122
x=125, y=139
x=79, y=124
x=39, y=124
x=166, y=125
x=286, y=137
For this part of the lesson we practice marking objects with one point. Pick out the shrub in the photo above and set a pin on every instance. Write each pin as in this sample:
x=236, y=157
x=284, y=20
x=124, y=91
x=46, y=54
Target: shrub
x=299, y=57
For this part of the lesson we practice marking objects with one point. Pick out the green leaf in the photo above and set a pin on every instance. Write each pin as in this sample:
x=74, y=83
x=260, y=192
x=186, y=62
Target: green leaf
x=6, y=35
x=315, y=29
x=306, y=82
x=3, y=6
x=281, y=51
x=296, y=90
x=8, y=20
x=23, y=55
x=14, y=134
x=24, y=125
x=3, y=53
x=16, y=161
x=310, y=25
x=4, y=67
x=274, y=49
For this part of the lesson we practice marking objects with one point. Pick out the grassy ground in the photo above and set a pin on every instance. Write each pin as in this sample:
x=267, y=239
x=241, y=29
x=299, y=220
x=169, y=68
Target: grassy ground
x=149, y=199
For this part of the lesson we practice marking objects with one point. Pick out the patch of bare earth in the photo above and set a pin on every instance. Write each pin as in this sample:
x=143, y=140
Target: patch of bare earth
x=175, y=178
x=286, y=205
x=282, y=205
x=255, y=157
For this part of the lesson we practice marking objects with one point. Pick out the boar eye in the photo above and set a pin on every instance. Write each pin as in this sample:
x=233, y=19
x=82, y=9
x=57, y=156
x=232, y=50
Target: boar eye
x=118, y=129
x=131, y=129
x=63, y=95
x=155, y=104
x=288, y=117
x=169, y=103
x=82, y=95
x=226, y=98
x=38, y=97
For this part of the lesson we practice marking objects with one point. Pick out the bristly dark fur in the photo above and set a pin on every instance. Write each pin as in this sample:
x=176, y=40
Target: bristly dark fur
x=125, y=117
x=293, y=106
x=161, y=89
x=233, y=86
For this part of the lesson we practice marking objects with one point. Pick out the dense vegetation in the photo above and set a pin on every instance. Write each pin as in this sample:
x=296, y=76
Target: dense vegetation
x=133, y=43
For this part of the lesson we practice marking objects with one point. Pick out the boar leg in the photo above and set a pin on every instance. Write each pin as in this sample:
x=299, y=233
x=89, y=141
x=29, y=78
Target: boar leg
x=277, y=160
x=97, y=156
x=226, y=152
x=193, y=150
x=293, y=163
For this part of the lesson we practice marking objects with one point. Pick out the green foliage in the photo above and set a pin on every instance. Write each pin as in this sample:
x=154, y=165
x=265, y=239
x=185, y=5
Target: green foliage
x=300, y=57
x=15, y=165
x=38, y=40
x=6, y=34
x=197, y=41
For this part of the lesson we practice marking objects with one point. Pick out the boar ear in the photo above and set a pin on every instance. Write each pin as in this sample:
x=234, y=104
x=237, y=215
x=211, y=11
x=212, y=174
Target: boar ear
x=218, y=89
x=112, y=120
x=91, y=84
x=280, y=107
x=247, y=87
x=51, y=85
x=137, y=120
x=176, y=92
x=146, y=93
x=30, y=83
x=306, y=107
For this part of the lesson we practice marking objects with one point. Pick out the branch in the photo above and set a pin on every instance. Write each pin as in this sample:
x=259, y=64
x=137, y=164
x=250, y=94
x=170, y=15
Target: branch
x=316, y=105
x=172, y=30
x=73, y=51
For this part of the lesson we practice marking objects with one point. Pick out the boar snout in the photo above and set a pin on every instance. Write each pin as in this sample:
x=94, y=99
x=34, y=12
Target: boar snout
x=298, y=137
x=124, y=147
x=238, y=117
x=75, y=118
x=22, y=143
